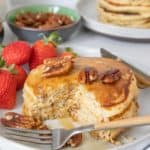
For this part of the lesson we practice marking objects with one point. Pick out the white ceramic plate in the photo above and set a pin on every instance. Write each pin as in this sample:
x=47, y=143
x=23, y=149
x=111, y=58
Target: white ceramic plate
x=140, y=133
x=87, y=9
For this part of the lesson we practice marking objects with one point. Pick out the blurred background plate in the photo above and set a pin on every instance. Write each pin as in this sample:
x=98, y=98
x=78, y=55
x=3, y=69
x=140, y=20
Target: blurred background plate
x=87, y=9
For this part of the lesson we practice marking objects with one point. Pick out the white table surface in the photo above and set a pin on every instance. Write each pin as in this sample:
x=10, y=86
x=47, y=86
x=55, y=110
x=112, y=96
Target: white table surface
x=135, y=51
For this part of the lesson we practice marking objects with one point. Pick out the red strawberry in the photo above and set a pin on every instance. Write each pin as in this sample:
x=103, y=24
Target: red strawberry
x=43, y=49
x=17, y=53
x=7, y=90
x=8, y=85
x=21, y=76
x=69, y=53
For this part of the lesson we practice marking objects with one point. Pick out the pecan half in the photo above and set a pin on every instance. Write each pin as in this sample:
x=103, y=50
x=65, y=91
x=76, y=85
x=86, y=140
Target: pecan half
x=16, y=120
x=111, y=76
x=57, y=66
x=88, y=75
x=75, y=141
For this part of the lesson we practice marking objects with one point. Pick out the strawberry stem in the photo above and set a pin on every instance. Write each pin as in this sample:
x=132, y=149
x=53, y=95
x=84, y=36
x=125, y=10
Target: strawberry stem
x=53, y=38
x=70, y=50
x=4, y=66
x=11, y=68
x=2, y=62
x=1, y=48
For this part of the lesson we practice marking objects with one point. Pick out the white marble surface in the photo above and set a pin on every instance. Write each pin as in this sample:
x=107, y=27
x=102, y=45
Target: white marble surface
x=134, y=51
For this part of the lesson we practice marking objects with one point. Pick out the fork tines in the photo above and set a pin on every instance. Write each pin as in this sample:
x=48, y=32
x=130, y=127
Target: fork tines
x=29, y=130
x=28, y=135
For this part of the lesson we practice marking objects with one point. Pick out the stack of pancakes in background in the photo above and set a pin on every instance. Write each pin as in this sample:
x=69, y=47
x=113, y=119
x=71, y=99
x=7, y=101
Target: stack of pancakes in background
x=130, y=13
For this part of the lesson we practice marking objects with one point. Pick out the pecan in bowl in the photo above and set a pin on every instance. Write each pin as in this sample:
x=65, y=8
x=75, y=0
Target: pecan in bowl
x=41, y=20
x=57, y=66
x=88, y=75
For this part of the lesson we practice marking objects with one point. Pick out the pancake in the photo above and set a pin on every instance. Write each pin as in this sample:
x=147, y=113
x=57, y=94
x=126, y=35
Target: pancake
x=65, y=96
x=126, y=9
x=123, y=16
x=124, y=19
x=125, y=13
x=130, y=2
x=111, y=135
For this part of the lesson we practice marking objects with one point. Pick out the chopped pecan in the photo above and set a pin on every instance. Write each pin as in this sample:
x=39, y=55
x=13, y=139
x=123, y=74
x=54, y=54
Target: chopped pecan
x=88, y=75
x=15, y=120
x=57, y=66
x=75, y=141
x=111, y=76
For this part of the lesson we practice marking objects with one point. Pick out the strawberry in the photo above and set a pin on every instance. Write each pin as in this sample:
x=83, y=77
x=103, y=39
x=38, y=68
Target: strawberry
x=42, y=49
x=21, y=76
x=7, y=85
x=69, y=53
x=17, y=53
x=7, y=90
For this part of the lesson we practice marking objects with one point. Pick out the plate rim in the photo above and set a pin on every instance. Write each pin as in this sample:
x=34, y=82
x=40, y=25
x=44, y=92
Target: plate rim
x=26, y=147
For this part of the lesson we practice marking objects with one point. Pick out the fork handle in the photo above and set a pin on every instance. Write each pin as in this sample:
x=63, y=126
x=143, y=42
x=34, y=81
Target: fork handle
x=83, y=129
x=130, y=122
x=124, y=123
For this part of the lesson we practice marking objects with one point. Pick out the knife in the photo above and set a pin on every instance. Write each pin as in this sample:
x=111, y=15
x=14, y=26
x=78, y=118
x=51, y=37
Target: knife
x=142, y=78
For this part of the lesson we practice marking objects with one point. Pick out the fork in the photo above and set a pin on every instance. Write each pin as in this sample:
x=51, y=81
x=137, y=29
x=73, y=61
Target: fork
x=28, y=135
x=58, y=137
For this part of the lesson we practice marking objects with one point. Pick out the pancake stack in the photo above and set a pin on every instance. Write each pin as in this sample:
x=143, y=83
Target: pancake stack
x=130, y=13
x=83, y=96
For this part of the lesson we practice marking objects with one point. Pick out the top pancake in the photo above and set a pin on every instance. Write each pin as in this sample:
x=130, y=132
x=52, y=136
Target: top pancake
x=107, y=95
x=130, y=2
x=130, y=13
x=112, y=5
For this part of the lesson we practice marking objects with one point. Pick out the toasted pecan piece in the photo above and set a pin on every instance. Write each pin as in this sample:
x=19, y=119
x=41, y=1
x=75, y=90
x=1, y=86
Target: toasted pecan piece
x=88, y=75
x=16, y=120
x=57, y=66
x=75, y=141
x=111, y=76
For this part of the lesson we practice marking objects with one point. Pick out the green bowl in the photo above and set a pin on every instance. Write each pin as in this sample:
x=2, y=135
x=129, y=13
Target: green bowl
x=31, y=34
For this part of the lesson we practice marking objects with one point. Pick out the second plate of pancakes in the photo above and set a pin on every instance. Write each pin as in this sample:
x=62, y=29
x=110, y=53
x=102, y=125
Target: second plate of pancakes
x=123, y=20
